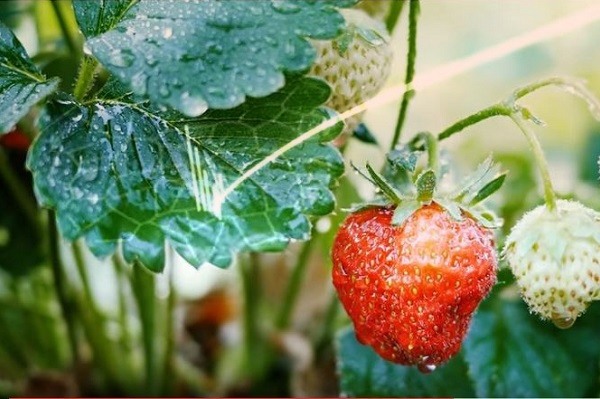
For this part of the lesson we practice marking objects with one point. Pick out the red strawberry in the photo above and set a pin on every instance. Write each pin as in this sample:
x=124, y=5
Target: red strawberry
x=411, y=289
x=15, y=140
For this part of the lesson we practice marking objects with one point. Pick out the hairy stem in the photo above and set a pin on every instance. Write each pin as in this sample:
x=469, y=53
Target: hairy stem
x=411, y=57
x=294, y=283
x=85, y=79
x=494, y=110
x=541, y=161
x=253, y=343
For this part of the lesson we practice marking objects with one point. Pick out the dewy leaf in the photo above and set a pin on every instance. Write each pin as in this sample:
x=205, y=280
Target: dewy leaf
x=511, y=353
x=195, y=55
x=364, y=374
x=117, y=173
x=21, y=83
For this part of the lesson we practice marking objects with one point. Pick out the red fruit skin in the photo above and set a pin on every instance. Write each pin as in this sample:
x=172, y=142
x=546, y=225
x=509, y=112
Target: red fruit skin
x=410, y=290
x=15, y=140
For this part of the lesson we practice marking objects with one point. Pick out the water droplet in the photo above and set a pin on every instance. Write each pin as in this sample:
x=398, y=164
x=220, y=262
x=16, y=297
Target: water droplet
x=164, y=91
x=122, y=58
x=426, y=368
x=167, y=32
x=77, y=117
x=87, y=50
x=123, y=147
x=563, y=322
x=285, y=7
x=192, y=106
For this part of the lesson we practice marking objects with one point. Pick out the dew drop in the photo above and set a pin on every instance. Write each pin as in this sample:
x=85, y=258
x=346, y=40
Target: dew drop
x=285, y=7
x=563, y=322
x=167, y=32
x=426, y=368
x=122, y=58
x=192, y=106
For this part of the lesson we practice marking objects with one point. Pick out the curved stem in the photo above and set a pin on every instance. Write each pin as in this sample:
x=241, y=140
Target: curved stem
x=410, y=69
x=432, y=151
x=19, y=192
x=538, y=153
x=491, y=111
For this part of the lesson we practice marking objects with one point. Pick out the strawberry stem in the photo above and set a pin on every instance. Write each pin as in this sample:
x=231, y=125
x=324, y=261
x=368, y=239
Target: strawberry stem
x=499, y=109
x=411, y=57
x=538, y=153
x=394, y=15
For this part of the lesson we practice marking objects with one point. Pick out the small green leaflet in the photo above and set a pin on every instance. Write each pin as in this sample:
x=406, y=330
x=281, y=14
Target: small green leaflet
x=21, y=83
x=117, y=173
x=196, y=55
x=364, y=374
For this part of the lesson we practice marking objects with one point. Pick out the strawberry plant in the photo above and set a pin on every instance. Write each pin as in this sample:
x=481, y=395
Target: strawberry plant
x=149, y=146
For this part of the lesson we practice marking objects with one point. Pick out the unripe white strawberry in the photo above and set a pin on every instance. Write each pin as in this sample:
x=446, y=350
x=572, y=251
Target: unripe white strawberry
x=356, y=65
x=555, y=257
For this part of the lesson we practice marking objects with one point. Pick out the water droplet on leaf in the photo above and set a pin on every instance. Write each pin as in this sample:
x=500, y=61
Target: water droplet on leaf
x=285, y=7
x=426, y=368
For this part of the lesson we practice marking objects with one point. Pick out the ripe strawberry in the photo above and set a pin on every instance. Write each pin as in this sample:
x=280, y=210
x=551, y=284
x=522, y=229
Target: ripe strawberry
x=15, y=140
x=356, y=66
x=411, y=289
x=555, y=257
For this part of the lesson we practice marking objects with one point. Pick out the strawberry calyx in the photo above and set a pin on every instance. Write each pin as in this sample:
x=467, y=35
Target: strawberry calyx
x=408, y=187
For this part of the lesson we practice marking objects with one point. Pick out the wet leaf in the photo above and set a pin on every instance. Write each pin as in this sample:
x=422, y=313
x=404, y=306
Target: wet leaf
x=116, y=172
x=364, y=374
x=206, y=54
x=511, y=353
x=21, y=83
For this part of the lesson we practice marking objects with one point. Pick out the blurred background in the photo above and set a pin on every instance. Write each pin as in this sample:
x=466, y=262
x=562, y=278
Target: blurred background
x=206, y=306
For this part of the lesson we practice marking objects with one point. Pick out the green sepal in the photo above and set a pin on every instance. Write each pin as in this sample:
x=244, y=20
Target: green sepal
x=404, y=211
x=489, y=189
x=484, y=217
x=452, y=208
x=364, y=134
x=375, y=203
x=473, y=183
x=404, y=158
x=426, y=186
x=385, y=186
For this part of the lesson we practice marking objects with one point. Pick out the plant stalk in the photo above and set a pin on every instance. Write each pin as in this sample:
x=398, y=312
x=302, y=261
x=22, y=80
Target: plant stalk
x=294, y=284
x=394, y=14
x=143, y=285
x=499, y=109
x=411, y=57
x=85, y=79
x=62, y=291
x=19, y=193
x=67, y=33
x=541, y=161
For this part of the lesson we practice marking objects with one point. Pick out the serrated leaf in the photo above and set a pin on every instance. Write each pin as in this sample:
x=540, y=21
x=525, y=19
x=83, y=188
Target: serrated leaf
x=489, y=189
x=117, y=173
x=21, y=83
x=364, y=374
x=511, y=353
x=206, y=54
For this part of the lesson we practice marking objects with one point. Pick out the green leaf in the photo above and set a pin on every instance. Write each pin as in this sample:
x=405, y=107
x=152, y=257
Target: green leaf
x=117, y=173
x=206, y=54
x=511, y=353
x=364, y=374
x=364, y=134
x=21, y=83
